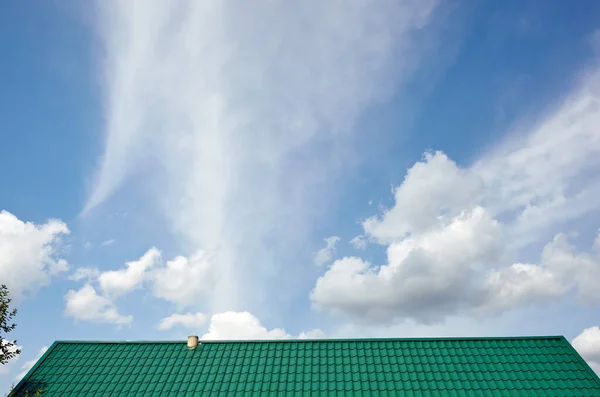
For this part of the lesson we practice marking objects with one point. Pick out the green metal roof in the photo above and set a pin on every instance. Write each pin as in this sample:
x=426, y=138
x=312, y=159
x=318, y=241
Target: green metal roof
x=524, y=366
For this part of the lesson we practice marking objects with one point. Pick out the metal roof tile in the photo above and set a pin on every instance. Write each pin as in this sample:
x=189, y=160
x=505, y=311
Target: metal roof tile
x=416, y=367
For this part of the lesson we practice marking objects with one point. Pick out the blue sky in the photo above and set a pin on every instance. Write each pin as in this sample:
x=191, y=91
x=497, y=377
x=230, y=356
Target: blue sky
x=171, y=170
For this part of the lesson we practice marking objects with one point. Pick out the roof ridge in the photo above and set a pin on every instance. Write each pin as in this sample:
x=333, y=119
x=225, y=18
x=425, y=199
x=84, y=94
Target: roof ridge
x=424, y=339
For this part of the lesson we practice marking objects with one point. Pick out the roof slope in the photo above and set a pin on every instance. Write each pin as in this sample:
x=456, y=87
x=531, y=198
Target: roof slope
x=530, y=366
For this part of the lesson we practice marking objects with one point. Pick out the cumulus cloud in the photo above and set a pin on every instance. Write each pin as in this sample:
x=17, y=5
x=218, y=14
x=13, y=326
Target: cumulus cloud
x=522, y=282
x=192, y=321
x=447, y=253
x=434, y=190
x=183, y=280
x=244, y=325
x=86, y=304
x=428, y=276
x=324, y=255
x=29, y=364
x=562, y=268
x=240, y=325
x=523, y=191
x=29, y=253
x=440, y=240
x=575, y=267
x=118, y=282
x=250, y=109
x=587, y=344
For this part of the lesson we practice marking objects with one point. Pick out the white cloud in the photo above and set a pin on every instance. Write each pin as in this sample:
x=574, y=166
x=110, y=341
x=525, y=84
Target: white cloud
x=244, y=325
x=588, y=345
x=181, y=281
x=192, y=321
x=245, y=144
x=29, y=364
x=106, y=243
x=448, y=254
x=184, y=280
x=86, y=304
x=324, y=255
x=433, y=275
x=118, y=282
x=563, y=268
x=359, y=242
x=434, y=190
x=84, y=273
x=510, y=286
x=547, y=174
x=313, y=334
x=29, y=253
x=574, y=267
x=428, y=276
x=538, y=179
x=240, y=325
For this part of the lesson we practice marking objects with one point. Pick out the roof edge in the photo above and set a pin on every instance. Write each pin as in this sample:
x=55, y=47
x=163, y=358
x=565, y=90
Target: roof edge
x=582, y=360
x=428, y=339
x=32, y=369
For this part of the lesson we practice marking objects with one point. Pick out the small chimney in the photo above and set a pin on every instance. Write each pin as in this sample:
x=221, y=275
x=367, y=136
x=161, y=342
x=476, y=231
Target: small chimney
x=192, y=341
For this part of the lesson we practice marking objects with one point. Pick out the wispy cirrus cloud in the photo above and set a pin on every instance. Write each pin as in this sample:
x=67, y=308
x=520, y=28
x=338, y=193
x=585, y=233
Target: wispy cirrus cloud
x=324, y=255
x=108, y=242
x=247, y=110
x=547, y=173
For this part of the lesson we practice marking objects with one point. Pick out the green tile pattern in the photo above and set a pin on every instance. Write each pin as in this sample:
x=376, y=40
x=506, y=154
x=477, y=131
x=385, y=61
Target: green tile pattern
x=537, y=366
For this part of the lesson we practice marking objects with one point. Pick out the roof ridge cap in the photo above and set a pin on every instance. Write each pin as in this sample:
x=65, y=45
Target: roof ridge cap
x=423, y=339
